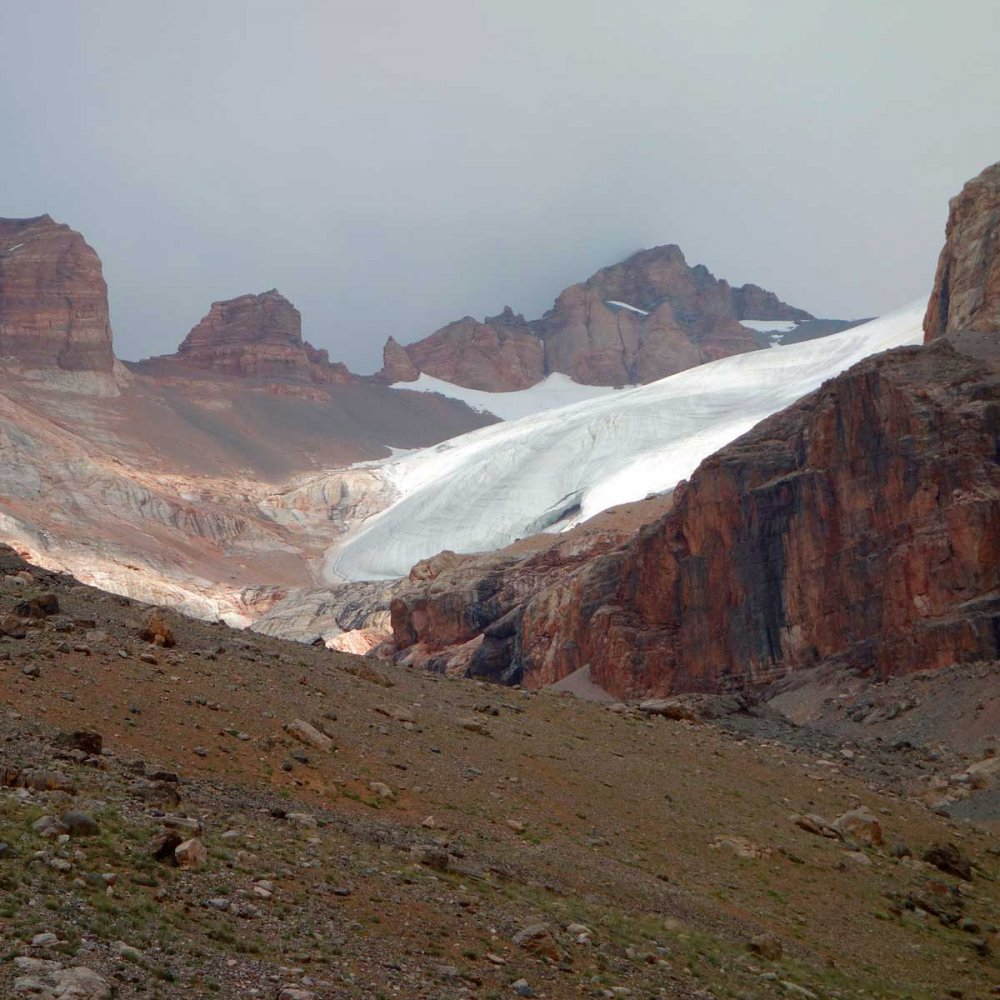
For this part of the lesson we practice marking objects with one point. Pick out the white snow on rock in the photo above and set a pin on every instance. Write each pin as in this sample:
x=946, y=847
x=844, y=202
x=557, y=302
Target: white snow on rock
x=484, y=489
x=553, y=391
x=770, y=325
x=625, y=305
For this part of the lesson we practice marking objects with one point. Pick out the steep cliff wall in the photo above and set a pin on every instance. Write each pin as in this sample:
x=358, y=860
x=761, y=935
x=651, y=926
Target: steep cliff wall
x=53, y=299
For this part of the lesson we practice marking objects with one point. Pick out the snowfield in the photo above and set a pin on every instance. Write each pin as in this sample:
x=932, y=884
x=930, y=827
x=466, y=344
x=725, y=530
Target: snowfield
x=770, y=325
x=483, y=490
x=553, y=391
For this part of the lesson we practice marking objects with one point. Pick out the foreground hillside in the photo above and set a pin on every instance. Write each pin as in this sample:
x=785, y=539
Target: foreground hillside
x=446, y=839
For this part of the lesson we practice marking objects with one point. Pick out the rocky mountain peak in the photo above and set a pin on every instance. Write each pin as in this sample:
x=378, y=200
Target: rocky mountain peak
x=966, y=296
x=646, y=317
x=53, y=299
x=257, y=336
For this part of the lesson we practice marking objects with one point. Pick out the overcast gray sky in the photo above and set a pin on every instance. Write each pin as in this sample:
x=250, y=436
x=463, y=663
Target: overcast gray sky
x=390, y=165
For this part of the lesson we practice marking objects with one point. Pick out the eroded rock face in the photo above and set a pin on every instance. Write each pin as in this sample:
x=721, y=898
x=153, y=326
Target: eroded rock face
x=966, y=294
x=861, y=525
x=499, y=355
x=637, y=321
x=53, y=299
x=258, y=336
x=463, y=614
x=396, y=364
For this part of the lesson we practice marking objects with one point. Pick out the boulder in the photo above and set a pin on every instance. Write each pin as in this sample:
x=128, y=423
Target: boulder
x=307, y=733
x=949, y=858
x=156, y=629
x=191, y=855
x=860, y=826
x=539, y=941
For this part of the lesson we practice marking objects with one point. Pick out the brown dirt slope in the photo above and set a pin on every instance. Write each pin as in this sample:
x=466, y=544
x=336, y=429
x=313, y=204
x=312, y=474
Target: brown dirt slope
x=438, y=820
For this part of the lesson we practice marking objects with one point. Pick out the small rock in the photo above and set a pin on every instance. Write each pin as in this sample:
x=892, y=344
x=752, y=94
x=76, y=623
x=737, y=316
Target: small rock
x=768, y=946
x=949, y=858
x=83, y=739
x=163, y=845
x=432, y=857
x=38, y=607
x=156, y=629
x=79, y=824
x=522, y=988
x=381, y=789
x=538, y=940
x=48, y=826
x=861, y=826
x=307, y=733
x=191, y=854
x=44, y=940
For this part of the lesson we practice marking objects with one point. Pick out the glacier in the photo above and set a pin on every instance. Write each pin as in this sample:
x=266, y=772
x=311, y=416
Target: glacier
x=553, y=391
x=551, y=470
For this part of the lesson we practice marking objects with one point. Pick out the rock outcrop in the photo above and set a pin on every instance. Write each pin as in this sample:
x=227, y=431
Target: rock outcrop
x=258, y=336
x=966, y=294
x=637, y=321
x=498, y=355
x=860, y=527
x=53, y=299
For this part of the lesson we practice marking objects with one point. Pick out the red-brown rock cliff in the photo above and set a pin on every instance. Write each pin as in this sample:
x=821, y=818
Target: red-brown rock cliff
x=966, y=294
x=53, y=299
x=257, y=336
x=637, y=321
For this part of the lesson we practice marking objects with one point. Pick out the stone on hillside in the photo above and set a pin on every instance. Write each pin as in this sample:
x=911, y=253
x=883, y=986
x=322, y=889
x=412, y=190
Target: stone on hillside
x=162, y=845
x=38, y=607
x=669, y=708
x=861, y=826
x=191, y=855
x=49, y=981
x=48, y=826
x=381, y=789
x=432, y=857
x=156, y=629
x=83, y=739
x=949, y=858
x=812, y=823
x=79, y=824
x=768, y=946
x=740, y=846
x=538, y=939
x=307, y=733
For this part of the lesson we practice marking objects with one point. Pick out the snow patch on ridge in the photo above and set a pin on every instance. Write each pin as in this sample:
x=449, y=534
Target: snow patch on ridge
x=625, y=305
x=484, y=489
x=770, y=325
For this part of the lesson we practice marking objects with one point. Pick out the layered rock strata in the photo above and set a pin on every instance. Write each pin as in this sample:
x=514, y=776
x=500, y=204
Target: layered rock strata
x=258, y=336
x=53, y=299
